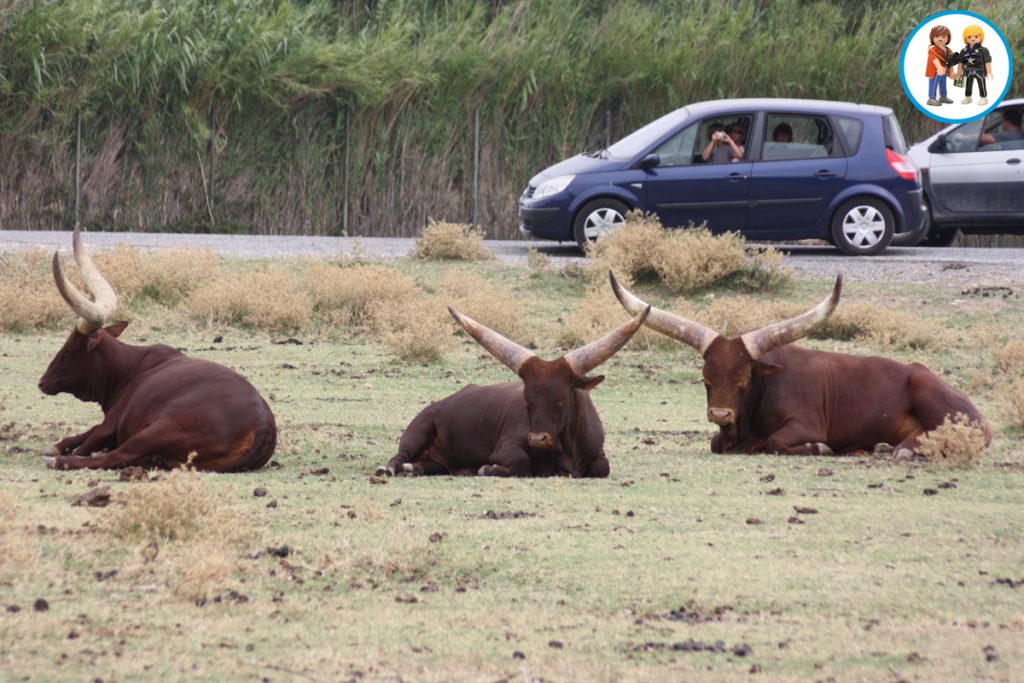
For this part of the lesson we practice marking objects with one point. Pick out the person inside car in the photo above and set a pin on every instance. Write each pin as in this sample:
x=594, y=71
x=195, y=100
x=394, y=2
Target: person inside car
x=723, y=147
x=1011, y=129
x=782, y=133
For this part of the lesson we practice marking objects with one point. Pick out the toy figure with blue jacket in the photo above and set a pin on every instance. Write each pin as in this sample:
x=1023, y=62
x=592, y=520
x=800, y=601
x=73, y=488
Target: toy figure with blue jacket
x=974, y=63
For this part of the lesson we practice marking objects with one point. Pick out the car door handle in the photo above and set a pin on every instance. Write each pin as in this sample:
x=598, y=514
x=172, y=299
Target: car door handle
x=1013, y=162
x=823, y=173
x=736, y=176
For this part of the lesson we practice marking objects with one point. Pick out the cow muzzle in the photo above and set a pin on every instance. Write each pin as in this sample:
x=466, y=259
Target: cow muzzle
x=540, y=440
x=723, y=417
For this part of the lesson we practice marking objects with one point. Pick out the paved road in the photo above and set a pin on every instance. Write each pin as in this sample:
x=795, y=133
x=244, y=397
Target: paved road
x=896, y=264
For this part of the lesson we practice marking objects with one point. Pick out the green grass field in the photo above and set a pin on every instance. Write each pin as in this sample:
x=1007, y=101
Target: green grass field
x=682, y=565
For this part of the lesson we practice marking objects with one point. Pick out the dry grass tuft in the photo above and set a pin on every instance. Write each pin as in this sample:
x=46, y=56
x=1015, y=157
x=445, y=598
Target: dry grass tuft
x=599, y=313
x=880, y=326
x=348, y=296
x=473, y=296
x=28, y=296
x=1010, y=358
x=20, y=556
x=686, y=259
x=177, y=507
x=1015, y=401
x=198, y=571
x=957, y=442
x=632, y=250
x=416, y=329
x=270, y=298
x=443, y=240
x=190, y=530
x=165, y=276
x=171, y=275
x=537, y=262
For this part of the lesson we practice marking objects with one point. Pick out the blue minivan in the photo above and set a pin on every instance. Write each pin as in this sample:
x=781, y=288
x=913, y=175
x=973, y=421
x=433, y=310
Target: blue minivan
x=770, y=169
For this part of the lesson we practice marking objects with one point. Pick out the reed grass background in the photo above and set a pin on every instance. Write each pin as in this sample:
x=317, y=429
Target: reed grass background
x=323, y=116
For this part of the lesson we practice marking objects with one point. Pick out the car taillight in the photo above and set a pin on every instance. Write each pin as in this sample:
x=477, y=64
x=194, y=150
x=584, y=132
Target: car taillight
x=902, y=165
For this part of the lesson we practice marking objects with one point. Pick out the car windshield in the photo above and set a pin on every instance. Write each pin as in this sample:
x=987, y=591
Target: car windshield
x=639, y=140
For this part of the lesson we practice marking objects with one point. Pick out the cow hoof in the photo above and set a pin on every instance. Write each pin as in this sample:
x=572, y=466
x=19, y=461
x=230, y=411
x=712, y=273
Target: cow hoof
x=51, y=461
x=823, y=449
x=384, y=471
x=485, y=471
x=904, y=454
x=408, y=469
x=883, y=448
x=51, y=452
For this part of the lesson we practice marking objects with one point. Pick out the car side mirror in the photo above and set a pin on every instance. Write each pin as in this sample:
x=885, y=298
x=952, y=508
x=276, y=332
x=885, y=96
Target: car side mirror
x=649, y=161
x=939, y=145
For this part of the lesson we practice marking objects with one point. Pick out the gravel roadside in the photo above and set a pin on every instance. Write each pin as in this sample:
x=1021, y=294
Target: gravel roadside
x=954, y=266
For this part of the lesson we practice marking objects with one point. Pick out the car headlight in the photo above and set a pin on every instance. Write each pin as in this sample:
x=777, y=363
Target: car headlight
x=553, y=186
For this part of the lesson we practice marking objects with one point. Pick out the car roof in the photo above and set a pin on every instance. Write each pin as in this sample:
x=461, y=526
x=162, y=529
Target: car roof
x=712, y=107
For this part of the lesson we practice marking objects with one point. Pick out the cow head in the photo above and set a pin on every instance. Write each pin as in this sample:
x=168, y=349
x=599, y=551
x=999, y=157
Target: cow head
x=732, y=366
x=79, y=363
x=549, y=387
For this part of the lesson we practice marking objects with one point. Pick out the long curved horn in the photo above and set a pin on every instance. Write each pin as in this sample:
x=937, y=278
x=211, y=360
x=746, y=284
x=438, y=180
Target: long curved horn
x=508, y=352
x=765, y=339
x=586, y=358
x=93, y=313
x=687, y=331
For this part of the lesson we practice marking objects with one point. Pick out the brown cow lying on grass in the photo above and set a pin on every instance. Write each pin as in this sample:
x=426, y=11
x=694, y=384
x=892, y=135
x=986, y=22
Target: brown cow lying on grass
x=161, y=408
x=768, y=396
x=545, y=425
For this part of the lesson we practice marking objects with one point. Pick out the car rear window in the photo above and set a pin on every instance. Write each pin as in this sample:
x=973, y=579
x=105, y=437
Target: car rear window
x=798, y=136
x=894, y=136
x=850, y=129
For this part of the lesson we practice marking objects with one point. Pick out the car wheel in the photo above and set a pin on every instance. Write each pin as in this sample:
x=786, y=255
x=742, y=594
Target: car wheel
x=596, y=218
x=863, y=226
x=939, y=236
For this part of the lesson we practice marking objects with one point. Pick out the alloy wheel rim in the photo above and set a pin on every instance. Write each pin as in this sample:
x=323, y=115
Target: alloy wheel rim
x=601, y=222
x=864, y=226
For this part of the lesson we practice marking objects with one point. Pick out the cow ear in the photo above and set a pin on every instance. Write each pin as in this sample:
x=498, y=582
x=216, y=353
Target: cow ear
x=116, y=329
x=588, y=383
x=765, y=369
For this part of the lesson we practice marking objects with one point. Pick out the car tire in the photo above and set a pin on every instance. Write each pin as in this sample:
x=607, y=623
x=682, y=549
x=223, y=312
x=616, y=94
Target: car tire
x=863, y=226
x=940, y=236
x=596, y=218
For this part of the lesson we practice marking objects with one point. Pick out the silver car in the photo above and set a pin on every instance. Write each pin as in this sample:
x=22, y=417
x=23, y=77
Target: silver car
x=973, y=176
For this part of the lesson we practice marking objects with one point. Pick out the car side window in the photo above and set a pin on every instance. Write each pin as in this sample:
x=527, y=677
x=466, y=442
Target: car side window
x=1002, y=131
x=851, y=130
x=964, y=138
x=798, y=136
x=678, y=150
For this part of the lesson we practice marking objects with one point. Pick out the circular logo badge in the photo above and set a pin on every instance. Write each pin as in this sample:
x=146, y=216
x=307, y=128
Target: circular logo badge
x=956, y=66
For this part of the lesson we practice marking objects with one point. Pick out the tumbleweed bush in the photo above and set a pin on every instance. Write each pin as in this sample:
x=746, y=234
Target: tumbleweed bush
x=456, y=241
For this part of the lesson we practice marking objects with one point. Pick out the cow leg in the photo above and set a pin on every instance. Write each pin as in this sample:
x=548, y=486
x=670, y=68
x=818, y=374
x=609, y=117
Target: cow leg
x=417, y=437
x=423, y=468
x=599, y=469
x=931, y=403
x=508, y=461
x=158, y=443
x=794, y=439
x=95, y=439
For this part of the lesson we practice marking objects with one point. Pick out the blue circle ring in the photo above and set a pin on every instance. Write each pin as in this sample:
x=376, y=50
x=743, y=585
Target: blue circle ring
x=995, y=102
